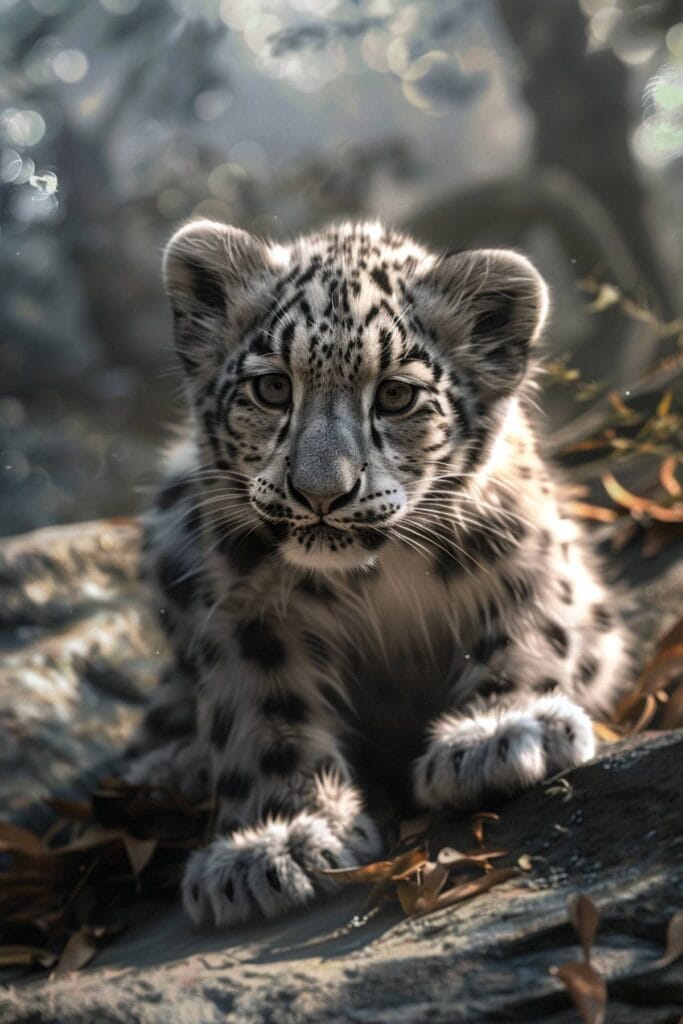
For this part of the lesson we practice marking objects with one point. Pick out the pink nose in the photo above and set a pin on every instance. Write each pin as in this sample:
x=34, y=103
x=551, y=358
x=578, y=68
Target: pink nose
x=322, y=504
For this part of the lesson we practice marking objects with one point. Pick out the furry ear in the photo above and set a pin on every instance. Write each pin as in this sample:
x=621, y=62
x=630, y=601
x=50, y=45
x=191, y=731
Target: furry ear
x=209, y=270
x=496, y=305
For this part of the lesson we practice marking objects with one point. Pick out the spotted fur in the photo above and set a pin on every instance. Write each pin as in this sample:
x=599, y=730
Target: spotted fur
x=371, y=600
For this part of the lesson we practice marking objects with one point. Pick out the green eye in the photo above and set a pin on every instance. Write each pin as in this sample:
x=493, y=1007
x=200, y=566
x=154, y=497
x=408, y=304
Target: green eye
x=394, y=396
x=273, y=390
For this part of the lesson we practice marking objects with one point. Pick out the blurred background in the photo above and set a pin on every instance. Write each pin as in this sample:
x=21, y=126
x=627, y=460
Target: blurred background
x=553, y=127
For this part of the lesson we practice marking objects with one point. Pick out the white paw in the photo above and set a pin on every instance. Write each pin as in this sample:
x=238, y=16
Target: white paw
x=178, y=766
x=489, y=754
x=269, y=869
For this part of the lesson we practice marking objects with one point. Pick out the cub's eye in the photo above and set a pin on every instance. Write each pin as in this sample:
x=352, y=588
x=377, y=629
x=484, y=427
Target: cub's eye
x=394, y=396
x=273, y=389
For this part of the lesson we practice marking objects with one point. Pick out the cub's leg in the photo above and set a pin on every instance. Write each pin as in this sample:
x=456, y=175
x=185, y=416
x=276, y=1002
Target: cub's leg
x=519, y=712
x=501, y=751
x=285, y=803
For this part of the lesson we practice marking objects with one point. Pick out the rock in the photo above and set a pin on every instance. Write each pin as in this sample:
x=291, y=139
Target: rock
x=81, y=651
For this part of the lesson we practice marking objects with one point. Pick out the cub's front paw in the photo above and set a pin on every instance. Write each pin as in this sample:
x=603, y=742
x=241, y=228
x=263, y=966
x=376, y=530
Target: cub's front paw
x=269, y=869
x=472, y=758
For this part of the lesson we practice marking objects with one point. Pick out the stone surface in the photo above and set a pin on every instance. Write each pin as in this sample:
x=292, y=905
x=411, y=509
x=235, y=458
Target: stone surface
x=81, y=648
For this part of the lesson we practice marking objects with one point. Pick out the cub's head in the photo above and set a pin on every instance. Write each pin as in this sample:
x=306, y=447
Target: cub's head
x=339, y=383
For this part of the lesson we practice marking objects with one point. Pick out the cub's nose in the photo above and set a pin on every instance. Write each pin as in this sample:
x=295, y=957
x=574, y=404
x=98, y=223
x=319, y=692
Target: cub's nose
x=322, y=503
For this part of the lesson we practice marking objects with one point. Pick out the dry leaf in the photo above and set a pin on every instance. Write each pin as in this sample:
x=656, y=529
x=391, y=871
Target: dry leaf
x=25, y=956
x=16, y=838
x=478, y=824
x=667, y=477
x=464, y=891
x=606, y=733
x=585, y=918
x=638, y=505
x=583, y=510
x=140, y=852
x=586, y=988
x=79, y=950
x=674, y=942
x=454, y=858
x=525, y=862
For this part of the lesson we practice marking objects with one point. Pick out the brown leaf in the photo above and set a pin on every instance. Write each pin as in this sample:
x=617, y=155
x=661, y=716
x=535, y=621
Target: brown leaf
x=73, y=810
x=407, y=864
x=362, y=875
x=667, y=477
x=585, y=918
x=584, y=510
x=674, y=942
x=14, y=837
x=672, y=718
x=454, y=858
x=478, y=824
x=79, y=950
x=140, y=852
x=638, y=505
x=586, y=988
x=25, y=956
x=605, y=733
x=464, y=891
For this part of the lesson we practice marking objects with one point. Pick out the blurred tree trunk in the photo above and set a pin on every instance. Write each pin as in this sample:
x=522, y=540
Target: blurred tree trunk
x=583, y=122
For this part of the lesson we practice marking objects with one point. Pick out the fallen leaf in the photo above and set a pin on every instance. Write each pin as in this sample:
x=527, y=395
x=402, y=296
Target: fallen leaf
x=478, y=824
x=25, y=956
x=525, y=862
x=464, y=891
x=606, y=733
x=640, y=506
x=454, y=858
x=73, y=810
x=140, y=852
x=583, y=510
x=667, y=477
x=585, y=918
x=16, y=838
x=586, y=988
x=79, y=950
x=674, y=942
x=366, y=873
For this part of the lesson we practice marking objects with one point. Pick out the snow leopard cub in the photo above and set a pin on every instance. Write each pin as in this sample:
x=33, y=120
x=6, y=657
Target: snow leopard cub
x=368, y=581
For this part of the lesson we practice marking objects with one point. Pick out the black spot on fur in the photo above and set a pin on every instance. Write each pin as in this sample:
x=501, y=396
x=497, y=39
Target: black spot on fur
x=221, y=727
x=273, y=879
x=246, y=551
x=496, y=687
x=546, y=685
x=602, y=618
x=315, y=588
x=172, y=720
x=587, y=670
x=206, y=287
x=317, y=649
x=557, y=636
x=371, y=538
x=260, y=642
x=379, y=276
x=178, y=581
x=234, y=785
x=280, y=759
x=210, y=651
x=488, y=644
x=287, y=706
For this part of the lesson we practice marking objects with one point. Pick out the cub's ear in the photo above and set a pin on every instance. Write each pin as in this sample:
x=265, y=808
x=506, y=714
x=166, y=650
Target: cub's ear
x=210, y=270
x=496, y=303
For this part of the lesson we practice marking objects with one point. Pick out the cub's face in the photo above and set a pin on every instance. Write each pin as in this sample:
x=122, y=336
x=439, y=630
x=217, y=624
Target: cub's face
x=347, y=387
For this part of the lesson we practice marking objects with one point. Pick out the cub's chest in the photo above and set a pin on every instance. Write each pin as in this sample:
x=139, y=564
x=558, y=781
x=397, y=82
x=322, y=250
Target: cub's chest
x=402, y=655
